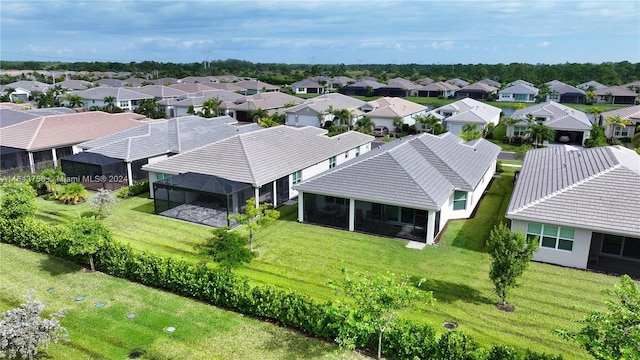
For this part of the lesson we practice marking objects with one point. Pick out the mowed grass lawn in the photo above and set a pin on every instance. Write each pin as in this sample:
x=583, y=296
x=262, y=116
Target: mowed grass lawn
x=201, y=331
x=304, y=257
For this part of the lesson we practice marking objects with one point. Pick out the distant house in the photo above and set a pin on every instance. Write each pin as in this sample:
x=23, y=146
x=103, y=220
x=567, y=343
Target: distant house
x=591, y=85
x=191, y=88
x=424, y=81
x=124, y=98
x=337, y=82
x=384, y=110
x=255, y=87
x=490, y=82
x=361, y=88
x=180, y=107
x=125, y=152
x=582, y=205
x=518, y=93
x=398, y=87
x=630, y=113
x=421, y=182
x=477, y=91
x=24, y=91
x=313, y=112
x=265, y=164
x=74, y=84
x=437, y=89
x=161, y=92
x=516, y=82
x=570, y=125
x=619, y=95
x=11, y=116
x=458, y=82
x=467, y=111
x=39, y=143
x=307, y=87
x=563, y=93
x=273, y=102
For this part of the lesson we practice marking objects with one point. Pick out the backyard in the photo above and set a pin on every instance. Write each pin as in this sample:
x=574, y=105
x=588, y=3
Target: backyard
x=304, y=257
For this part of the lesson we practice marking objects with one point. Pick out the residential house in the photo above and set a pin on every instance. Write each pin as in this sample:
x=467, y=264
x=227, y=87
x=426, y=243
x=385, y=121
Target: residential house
x=591, y=85
x=619, y=95
x=570, y=125
x=161, y=92
x=518, y=93
x=490, y=82
x=458, y=82
x=227, y=86
x=274, y=102
x=264, y=164
x=307, y=87
x=398, y=87
x=438, y=89
x=563, y=93
x=361, y=88
x=192, y=88
x=424, y=81
x=94, y=98
x=115, y=83
x=252, y=87
x=164, y=81
x=383, y=111
x=74, y=84
x=408, y=188
x=180, y=106
x=10, y=115
x=25, y=91
x=477, y=91
x=630, y=113
x=120, y=156
x=467, y=111
x=337, y=82
x=516, y=82
x=313, y=112
x=38, y=143
x=582, y=205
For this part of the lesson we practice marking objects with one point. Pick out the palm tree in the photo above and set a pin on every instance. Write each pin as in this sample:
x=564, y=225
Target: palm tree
x=595, y=112
x=6, y=96
x=110, y=104
x=540, y=133
x=149, y=108
x=590, y=95
x=397, y=124
x=344, y=117
x=329, y=114
x=73, y=193
x=430, y=123
x=510, y=123
x=616, y=121
x=365, y=125
x=258, y=114
x=75, y=101
x=470, y=132
x=211, y=107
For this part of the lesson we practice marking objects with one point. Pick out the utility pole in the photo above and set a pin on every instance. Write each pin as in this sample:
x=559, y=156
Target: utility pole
x=205, y=54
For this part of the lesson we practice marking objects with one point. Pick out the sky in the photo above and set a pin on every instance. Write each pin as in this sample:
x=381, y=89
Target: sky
x=322, y=32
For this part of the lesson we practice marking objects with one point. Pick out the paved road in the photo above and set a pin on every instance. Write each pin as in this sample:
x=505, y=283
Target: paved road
x=505, y=155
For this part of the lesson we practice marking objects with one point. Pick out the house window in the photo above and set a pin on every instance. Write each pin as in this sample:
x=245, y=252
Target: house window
x=459, y=200
x=162, y=176
x=332, y=162
x=346, y=154
x=620, y=131
x=124, y=104
x=519, y=130
x=358, y=151
x=296, y=177
x=552, y=236
x=621, y=246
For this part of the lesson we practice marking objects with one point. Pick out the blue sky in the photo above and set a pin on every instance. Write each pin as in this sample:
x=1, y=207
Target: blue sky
x=322, y=32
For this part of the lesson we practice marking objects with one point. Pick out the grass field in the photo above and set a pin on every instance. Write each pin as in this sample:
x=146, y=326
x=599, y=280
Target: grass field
x=202, y=331
x=304, y=257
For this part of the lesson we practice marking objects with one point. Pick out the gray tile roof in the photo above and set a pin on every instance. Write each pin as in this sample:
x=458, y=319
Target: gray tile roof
x=119, y=93
x=262, y=156
x=561, y=117
x=320, y=104
x=418, y=171
x=629, y=112
x=306, y=83
x=616, y=91
x=520, y=89
x=266, y=101
x=594, y=188
x=470, y=110
x=11, y=116
x=161, y=91
x=166, y=137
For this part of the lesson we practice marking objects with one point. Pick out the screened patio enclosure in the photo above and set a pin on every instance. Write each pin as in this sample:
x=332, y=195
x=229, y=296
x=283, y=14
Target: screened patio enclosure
x=200, y=198
x=369, y=217
x=95, y=171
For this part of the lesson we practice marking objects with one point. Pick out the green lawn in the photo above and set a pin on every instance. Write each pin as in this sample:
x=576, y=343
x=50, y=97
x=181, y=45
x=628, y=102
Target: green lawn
x=303, y=257
x=202, y=331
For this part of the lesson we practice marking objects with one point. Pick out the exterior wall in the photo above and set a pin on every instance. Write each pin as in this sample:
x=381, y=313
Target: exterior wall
x=473, y=198
x=577, y=257
x=454, y=127
x=303, y=120
x=409, y=120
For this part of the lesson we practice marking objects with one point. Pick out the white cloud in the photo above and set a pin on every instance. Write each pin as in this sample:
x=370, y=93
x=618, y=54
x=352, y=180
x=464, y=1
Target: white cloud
x=543, y=44
x=445, y=45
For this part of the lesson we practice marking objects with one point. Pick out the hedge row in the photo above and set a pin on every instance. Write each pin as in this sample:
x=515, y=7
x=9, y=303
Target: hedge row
x=405, y=340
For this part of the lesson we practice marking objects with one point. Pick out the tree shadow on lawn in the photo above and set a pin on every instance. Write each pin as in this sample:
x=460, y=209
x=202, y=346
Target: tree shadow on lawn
x=297, y=344
x=56, y=266
x=448, y=292
x=148, y=208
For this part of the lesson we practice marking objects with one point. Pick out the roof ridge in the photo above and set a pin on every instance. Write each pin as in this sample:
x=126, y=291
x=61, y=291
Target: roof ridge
x=246, y=156
x=426, y=193
x=445, y=163
x=35, y=133
x=565, y=189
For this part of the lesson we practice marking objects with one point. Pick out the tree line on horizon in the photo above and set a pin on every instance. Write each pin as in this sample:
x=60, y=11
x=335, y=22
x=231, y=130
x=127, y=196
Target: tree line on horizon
x=608, y=73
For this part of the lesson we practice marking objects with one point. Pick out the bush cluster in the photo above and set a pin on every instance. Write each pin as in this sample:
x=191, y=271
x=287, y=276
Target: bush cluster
x=133, y=190
x=406, y=340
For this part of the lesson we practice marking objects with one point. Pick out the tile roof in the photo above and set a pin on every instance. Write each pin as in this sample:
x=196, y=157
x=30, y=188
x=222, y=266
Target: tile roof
x=629, y=112
x=616, y=91
x=418, y=171
x=161, y=91
x=595, y=84
x=306, y=83
x=595, y=188
x=255, y=85
x=266, y=101
x=320, y=104
x=561, y=117
x=390, y=107
x=480, y=86
x=469, y=110
x=439, y=86
x=172, y=136
x=520, y=89
x=262, y=156
x=119, y=93
x=63, y=130
x=192, y=88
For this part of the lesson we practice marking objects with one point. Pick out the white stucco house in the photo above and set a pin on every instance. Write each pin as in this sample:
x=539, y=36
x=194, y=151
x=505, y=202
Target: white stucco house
x=467, y=111
x=314, y=111
x=582, y=204
x=384, y=110
x=570, y=125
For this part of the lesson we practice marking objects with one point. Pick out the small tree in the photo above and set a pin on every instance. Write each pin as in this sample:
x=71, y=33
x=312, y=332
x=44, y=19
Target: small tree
x=374, y=302
x=73, y=193
x=596, y=137
x=51, y=178
x=470, y=132
x=614, y=333
x=87, y=236
x=616, y=122
x=255, y=217
x=397, y=124
x=23, y=332
x=228, y=248
x=102, y=200
x=511, y=253
x=521, y=151
x=540, y=133
x=17, y=200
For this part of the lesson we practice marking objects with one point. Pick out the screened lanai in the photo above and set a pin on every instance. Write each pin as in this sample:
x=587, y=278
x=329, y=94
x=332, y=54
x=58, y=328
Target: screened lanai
x=199, y=198
x=95, y=171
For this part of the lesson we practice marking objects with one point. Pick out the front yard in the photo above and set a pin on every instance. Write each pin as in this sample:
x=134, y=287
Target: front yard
x=304, y=257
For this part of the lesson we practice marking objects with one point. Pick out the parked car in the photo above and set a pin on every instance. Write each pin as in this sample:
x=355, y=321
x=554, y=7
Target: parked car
x=380, y=131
